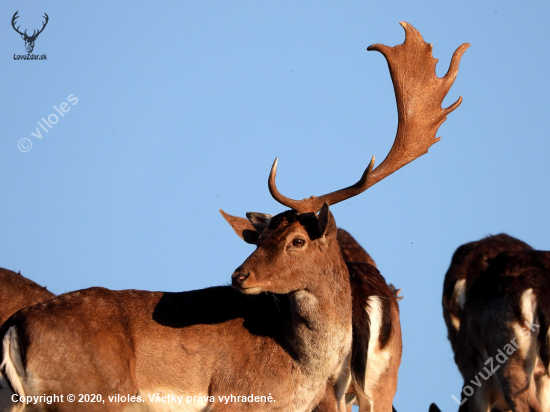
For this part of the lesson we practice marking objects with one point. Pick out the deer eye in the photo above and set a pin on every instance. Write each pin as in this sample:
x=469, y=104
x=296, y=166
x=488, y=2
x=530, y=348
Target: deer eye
x=298, y=242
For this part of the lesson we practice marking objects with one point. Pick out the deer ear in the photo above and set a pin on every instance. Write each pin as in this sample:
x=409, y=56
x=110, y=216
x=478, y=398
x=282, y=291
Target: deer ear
x=242, y=227
x=260, y=221
x=434, y=408
x=322, y=219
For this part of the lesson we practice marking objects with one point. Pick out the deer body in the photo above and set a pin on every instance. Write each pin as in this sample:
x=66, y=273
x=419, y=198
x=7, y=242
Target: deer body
x=351, y=249
x=143, y=343
x=140, y=343
x=377, y=344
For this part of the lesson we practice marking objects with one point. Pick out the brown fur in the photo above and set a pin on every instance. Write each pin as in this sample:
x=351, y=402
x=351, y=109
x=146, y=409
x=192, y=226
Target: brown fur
x=351, y=250
x=373, y=394
x=506, y=284
x=16, y=292
x=499, y=301
x=366, y=282
x=375, y=385
x=468, y=262
x=215, y=341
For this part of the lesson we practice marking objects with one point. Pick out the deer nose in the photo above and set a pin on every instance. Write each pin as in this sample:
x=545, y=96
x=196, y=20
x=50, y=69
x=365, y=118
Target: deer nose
x=238, y=278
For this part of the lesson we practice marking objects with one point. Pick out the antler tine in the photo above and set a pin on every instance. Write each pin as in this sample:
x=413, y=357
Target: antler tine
x=313, y=204
x=293, y=204
x=419, y=94
x=15, y=16
x=43, y=24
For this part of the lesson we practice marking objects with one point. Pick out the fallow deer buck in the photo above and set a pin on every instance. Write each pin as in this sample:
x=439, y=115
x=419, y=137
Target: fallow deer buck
x=504, y=334
x=377, y=334
x=374, y=303
x=16, y=292
x=228, y=341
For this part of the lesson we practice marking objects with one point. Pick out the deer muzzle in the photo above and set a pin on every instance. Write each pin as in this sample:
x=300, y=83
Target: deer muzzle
x=245, y=281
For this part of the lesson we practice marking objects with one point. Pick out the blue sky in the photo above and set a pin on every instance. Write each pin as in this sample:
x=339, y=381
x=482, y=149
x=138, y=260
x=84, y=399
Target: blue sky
x=183, y=106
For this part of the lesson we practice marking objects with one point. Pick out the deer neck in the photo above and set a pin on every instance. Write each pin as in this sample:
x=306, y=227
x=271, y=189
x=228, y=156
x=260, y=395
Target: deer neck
x=321, y=321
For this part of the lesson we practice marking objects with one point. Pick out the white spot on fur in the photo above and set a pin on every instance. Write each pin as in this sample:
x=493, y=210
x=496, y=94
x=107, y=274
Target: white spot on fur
x=460, y=294
x=528, y=302
x=525, y=338
x=522, y=339
x=455, y=321
x=377, y=359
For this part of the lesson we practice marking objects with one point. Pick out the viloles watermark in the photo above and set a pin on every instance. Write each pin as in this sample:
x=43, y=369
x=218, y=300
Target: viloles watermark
x=25, y=144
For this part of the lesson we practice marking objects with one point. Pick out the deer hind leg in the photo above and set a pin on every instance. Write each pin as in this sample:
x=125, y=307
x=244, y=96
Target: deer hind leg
x=480, y=401
x=515, y=377
x=364, y=401
x=543, y=391
x=344, y=381
x=6, y=404
x=11, y=373
x=519, y=390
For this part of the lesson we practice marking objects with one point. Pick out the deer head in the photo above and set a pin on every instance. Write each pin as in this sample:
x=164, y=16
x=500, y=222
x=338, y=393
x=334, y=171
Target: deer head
x=287, y=244
x=29, y=40
x=419, y=94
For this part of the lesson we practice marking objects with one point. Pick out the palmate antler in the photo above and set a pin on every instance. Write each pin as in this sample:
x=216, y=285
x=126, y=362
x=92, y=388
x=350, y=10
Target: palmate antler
x=419, y=94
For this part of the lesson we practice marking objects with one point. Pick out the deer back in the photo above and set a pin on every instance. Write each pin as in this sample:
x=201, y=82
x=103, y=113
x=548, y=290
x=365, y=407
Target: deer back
x=16, y=292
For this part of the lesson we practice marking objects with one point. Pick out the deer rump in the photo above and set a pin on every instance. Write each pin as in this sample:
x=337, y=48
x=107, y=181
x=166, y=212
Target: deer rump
x=467, y=264
x=505, y=325
x=499, y=334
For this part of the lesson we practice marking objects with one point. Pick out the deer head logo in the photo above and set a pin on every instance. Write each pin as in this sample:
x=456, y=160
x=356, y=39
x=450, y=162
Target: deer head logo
x=29, y=40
